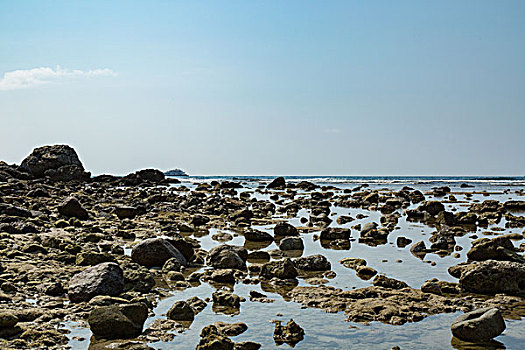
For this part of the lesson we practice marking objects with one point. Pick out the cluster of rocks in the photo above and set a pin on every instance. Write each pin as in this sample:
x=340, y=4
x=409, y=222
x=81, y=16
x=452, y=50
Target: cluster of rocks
x=64, y=235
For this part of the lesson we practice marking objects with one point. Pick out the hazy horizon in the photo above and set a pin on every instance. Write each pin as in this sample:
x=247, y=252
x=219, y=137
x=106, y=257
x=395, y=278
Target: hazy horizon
x=407, y=88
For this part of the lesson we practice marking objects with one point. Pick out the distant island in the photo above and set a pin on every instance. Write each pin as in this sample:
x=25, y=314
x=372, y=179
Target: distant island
x=175, y=172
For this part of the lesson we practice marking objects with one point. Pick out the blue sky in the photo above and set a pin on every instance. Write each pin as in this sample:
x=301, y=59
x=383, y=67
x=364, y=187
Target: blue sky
x=268, y=87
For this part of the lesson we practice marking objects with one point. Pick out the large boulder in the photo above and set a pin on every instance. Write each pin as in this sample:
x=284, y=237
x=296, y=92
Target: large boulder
x=492, y=277
x=258, y=236
x=181, y=311
x=315, y=262
x=155, y=252
x=227, y=257
x=118, y=321
x=146, y=175
x=58, y=162
x=71, y=207
x=277, y=183
x=102, y=279
x=431, y=207
x=479, y=325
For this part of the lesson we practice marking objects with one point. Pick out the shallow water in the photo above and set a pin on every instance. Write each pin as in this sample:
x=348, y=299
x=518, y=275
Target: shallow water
x=331, y=331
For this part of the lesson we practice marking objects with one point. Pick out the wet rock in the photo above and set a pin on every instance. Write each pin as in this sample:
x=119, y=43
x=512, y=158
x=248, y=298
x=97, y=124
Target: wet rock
x=71, y=207
x=291, y=333
x=231, y=329
x=387, y=282
x=181, y=311
x=332, y=233
x=291, y=243
x=402, y=242
x=223, y=276
x=491, y=277
x=212, y=339
x=227, y=299
x=488, y=206
x=118, y=321
x=102, y=279
x=227, y=257
x=431, y=207
x=418, y=248
x=282, y=269
x=172, y=264
x=247, y=345
x=431, y=287
x=285, y=229
x=352, y=263
x=365, y=272
x=58, y=162
x=316, y=262
x=498, y=248
x=155, y=252
x=91, y=259
x=199, y=220
x=479, y=325
x=277, y=183
x=258, y=236
x=128, y=212
x=7, y=319
x=514, y=205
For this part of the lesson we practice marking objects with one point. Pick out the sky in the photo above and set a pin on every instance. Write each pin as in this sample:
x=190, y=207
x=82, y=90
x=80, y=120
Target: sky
x=267, y=87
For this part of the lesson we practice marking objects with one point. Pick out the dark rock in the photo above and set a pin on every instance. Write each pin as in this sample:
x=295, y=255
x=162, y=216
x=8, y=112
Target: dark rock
x=199, y=220
x=11, y=210
x=291, y=243
x=277, y=183
x=282, y=269
x=155, y=252
x=479, y=325
x=71, y=207
x=103, y=279
x=258, y=236
x=291, y=333
x=492, y=277
x=403, y=241
x=285, y=229
x=212, y=339
x=332, y=233
x=227, y=257
x=228, y=299
x=499, y=248
x=118, y=321
x=128, y=212
x=316, y=262
x=386, y=282
x=181, y=311
x=431, y=207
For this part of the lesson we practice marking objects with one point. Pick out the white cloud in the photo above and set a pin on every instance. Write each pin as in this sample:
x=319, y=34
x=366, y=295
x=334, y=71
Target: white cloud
x=332, y=131
x=23, y=79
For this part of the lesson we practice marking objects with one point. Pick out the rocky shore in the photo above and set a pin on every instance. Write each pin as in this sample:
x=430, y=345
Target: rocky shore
x=104, y=250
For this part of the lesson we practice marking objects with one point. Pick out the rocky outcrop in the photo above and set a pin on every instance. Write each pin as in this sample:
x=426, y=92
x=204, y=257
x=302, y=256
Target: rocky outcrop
x=119, y=321
x=492, y=277
x=479, y=325
x=498, y=248
x=284, y=229
x=315, y=262
x=277, y=183
x=283, y=269
x=102, y=279
x=58, y=162
x=72, y=208
x=291, y=333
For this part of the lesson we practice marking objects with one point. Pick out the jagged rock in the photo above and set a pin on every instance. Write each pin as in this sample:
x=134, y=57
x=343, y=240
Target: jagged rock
x=228, y=299
x=316, y=262
x=431, y=207
x=291, y=333
x=102, y=279
x=479, y=325
x=59, y=162
x=212, y=339
x=282, y=269
x=155, y=252
x=118, y=321
x=231, y=329
x=71, y=207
